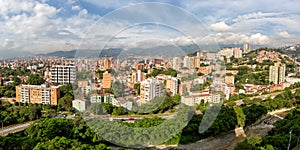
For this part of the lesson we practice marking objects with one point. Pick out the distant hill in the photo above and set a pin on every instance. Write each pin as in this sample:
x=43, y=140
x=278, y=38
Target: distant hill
x=67, y=54
x=112, y=52
x=158, y=51
x=11, y=54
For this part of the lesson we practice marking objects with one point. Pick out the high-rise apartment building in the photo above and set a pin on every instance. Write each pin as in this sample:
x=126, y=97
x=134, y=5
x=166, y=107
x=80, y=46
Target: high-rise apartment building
x=177, y=63
x=63, y=74
x=107, y=64
x=172, y=85
x=106, y=82
x=188, y=62
x=246, y=47
x=150, y=88
x=277, y=73
x=237, y=52
x=138, y=76
x=197, y=62
x=37, y=94
x=231, y=51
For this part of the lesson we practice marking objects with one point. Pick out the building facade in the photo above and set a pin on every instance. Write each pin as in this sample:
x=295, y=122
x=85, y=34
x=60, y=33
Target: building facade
x=277, y=73
x=172, y=85
x=35, y=94
x=63, y=74
x=106, y=82
x=150, y=88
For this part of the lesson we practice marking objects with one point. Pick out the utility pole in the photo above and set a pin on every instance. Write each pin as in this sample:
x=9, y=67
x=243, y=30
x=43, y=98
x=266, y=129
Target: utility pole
x=290, y=140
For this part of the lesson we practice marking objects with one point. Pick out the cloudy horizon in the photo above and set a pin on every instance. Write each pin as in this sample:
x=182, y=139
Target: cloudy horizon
x=50, y=25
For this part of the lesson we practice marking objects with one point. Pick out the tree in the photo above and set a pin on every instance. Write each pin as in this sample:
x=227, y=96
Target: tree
x=65, y=102
x=35, y=80
x=47, y=129
x=176, y=99
x=136, y=87
x=118, y=88
x=118, y=111
x=108, y=107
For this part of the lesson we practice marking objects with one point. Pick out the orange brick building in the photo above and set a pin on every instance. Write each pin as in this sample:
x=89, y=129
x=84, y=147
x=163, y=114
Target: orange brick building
x=36, y=94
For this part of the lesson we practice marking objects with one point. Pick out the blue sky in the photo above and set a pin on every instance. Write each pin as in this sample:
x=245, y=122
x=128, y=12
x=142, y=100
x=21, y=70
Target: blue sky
x=50, y=25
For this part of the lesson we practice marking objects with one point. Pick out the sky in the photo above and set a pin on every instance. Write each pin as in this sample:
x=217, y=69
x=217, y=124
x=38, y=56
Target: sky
x=40, y=26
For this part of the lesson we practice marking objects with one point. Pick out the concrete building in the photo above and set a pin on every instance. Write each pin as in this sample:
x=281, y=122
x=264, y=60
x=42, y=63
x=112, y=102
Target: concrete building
x=79, y=105
x=194, y=100
x=107, y=64
x=177, y=63
x=277, y=73
x=63, y=74
x=246, y=47
x=229, y=80
x=106, y=82
x=227, y=52
x=106, y=98
x=35, y=94
x=197, y=62
x=237, y=52
x=188, y=62
x=138, y=76
x=150, y=88
x=172, y=85
x=231, y=51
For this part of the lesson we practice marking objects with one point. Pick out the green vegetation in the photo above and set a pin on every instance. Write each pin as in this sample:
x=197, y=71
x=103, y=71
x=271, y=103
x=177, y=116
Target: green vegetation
x=278, y=137
x=168, y=71
x=8, y=91
x=225, y=122
x=118, y=88
x=54, y=133
x=136, y=88
x=14, y=72
x=65, y=101
x=84, y=75
x=35, y=80
x=241, y=117
x=199, y=87
x=13, y=114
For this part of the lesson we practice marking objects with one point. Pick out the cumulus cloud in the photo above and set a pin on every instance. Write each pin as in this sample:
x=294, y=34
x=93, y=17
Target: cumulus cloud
x=76, y=7
x=284, y=34
x=220, y=27
x=37, y=25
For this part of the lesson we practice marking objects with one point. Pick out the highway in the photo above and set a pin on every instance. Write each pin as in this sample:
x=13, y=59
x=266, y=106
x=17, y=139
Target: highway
x=14, y=128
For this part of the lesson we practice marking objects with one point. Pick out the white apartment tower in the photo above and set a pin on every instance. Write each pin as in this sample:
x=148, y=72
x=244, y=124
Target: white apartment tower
x=177, y=63
x=63, y=74
x=150, y=88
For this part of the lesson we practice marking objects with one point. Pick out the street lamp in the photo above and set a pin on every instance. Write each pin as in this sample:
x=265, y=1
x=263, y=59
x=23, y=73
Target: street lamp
x=290, y=140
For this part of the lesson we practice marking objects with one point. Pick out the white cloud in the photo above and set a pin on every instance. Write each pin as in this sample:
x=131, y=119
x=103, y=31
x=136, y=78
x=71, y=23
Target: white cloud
x=42, y=10
x=255, y=15
x=260, y=39
x=36, y=25
x=220, y=27
x=76, y=7
x=284, y=34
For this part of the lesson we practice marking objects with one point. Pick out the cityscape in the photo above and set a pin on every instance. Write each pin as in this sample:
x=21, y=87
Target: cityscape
x=134, y=80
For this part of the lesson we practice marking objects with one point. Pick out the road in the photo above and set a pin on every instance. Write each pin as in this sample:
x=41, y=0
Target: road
x=14, y=128
x=108, y=117
x=272, y=95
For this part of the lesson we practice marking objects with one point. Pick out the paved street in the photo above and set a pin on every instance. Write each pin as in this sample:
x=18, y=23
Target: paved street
x=14, y=128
